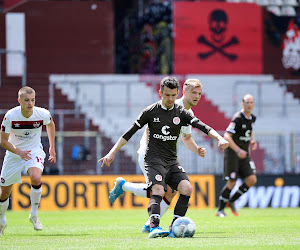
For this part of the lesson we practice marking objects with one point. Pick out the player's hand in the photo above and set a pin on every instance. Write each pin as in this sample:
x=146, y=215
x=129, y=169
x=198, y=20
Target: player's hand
x=253, y=145
x=25, y=155
x=201, y=152
x=223, y=144
x=107, y=160
x=52, y=155
x=242, y=154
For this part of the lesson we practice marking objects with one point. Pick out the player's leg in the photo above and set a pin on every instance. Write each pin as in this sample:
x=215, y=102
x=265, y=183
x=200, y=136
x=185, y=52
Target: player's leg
x=181, y=207
x=5, y=192
x=35, y=174
x=121, y=186
x=224, y=197
x=178, y=180
x=231, y=164
x=156, y=175
x=164, y=205
x=247, y=171
x=10, y=174
x=154, y=212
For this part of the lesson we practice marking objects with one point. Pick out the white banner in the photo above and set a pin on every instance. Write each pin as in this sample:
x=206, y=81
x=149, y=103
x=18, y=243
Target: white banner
x=15, y=43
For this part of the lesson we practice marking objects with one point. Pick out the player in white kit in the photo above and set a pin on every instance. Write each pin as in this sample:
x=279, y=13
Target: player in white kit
x=20, y=133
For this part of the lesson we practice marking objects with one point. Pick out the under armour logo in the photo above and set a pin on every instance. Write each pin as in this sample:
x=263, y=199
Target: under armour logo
x=156, y=119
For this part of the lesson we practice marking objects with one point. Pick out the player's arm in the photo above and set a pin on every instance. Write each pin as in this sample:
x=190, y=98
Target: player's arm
x=25, y=155
x=189, y=142
x=253, y=142
x=240, y=152
x=51, y=137
x=222, y=143
x=109, y=158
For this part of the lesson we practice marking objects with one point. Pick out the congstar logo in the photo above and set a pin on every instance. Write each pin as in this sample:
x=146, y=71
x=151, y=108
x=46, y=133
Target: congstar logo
x=166, y=136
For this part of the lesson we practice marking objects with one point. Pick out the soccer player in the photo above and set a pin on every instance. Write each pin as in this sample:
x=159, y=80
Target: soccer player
x=21, y=137
x=237, y=160
x=192, y=91
x=164, y=119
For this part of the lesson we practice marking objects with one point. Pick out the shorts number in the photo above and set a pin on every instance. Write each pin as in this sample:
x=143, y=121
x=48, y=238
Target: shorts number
x=181, y=168
x=252, y=165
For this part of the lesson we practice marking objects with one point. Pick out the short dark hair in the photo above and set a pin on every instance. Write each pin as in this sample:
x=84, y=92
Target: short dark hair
x=170, y=82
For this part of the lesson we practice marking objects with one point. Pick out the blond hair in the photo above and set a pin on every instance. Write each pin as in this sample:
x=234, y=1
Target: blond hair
x=25, y=90
x=191, y=84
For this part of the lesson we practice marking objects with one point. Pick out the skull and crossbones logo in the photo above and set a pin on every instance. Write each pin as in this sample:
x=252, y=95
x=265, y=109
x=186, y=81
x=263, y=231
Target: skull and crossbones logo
x=218, y=24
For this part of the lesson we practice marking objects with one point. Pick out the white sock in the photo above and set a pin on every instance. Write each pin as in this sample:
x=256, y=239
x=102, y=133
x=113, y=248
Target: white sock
x=3, y=209
x=138, y=189
x=163, y=208
x=35, y=198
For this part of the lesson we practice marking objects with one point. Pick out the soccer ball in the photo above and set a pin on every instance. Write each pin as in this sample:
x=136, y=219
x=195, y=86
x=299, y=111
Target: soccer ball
x=183, y=227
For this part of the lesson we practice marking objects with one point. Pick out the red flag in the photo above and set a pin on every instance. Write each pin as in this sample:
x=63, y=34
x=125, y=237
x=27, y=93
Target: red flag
x=217, y=38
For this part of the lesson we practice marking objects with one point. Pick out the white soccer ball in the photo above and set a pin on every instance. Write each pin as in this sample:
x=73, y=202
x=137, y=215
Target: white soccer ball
x=183, y=227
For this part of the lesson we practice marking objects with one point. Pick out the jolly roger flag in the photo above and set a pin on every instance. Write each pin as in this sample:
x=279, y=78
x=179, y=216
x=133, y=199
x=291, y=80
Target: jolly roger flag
x=217, y=38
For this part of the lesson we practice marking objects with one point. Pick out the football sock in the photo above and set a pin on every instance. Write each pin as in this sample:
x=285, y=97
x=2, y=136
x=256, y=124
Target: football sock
x=35, y=198
x=3, y=209
x=138, y=189
x=154, y=210
x=181, y=207
x=242, y=189
x=164, y=205
x=224, y=197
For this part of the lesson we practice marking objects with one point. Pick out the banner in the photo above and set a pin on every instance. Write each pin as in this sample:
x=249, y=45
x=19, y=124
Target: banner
x=270, y=191
x=217, y=38
x=91, y=192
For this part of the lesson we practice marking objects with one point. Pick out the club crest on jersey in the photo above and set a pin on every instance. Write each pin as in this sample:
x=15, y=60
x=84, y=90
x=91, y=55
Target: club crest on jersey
x=176, y=120
x=233, y=175
x=36, y=124
x=158, y=177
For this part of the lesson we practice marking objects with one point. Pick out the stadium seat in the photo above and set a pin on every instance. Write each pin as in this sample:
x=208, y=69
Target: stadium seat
x=288, y=11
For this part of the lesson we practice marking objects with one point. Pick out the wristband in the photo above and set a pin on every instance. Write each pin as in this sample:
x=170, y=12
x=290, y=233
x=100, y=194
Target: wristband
x=237, y=152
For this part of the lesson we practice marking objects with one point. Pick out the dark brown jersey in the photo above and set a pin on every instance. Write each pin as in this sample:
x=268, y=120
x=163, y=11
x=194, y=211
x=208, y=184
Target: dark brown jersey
x=241, y=128
x=165, y=127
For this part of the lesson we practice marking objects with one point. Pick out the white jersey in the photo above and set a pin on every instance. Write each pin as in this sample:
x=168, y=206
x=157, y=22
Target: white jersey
x=25, y=133
x=184, y=130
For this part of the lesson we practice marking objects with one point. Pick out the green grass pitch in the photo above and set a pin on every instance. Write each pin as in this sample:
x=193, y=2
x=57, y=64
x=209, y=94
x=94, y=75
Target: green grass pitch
x=121, y=229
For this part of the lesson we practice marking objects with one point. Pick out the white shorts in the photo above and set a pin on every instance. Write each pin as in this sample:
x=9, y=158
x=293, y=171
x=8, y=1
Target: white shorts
x=14, y=165
x=142, y=166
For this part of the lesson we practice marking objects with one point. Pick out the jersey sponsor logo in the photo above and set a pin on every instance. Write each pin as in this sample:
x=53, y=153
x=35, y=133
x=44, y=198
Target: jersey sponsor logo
x=27, y=132
x=165, y=137
x=156, y=119
x=26, y=124
x=158, y=177
x=176, y=120
x=164, y=130
x=247, y=136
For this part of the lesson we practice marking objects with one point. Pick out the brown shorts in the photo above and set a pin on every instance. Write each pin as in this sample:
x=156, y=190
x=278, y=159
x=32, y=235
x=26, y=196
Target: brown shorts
x=164, y=173
x=234, y=167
